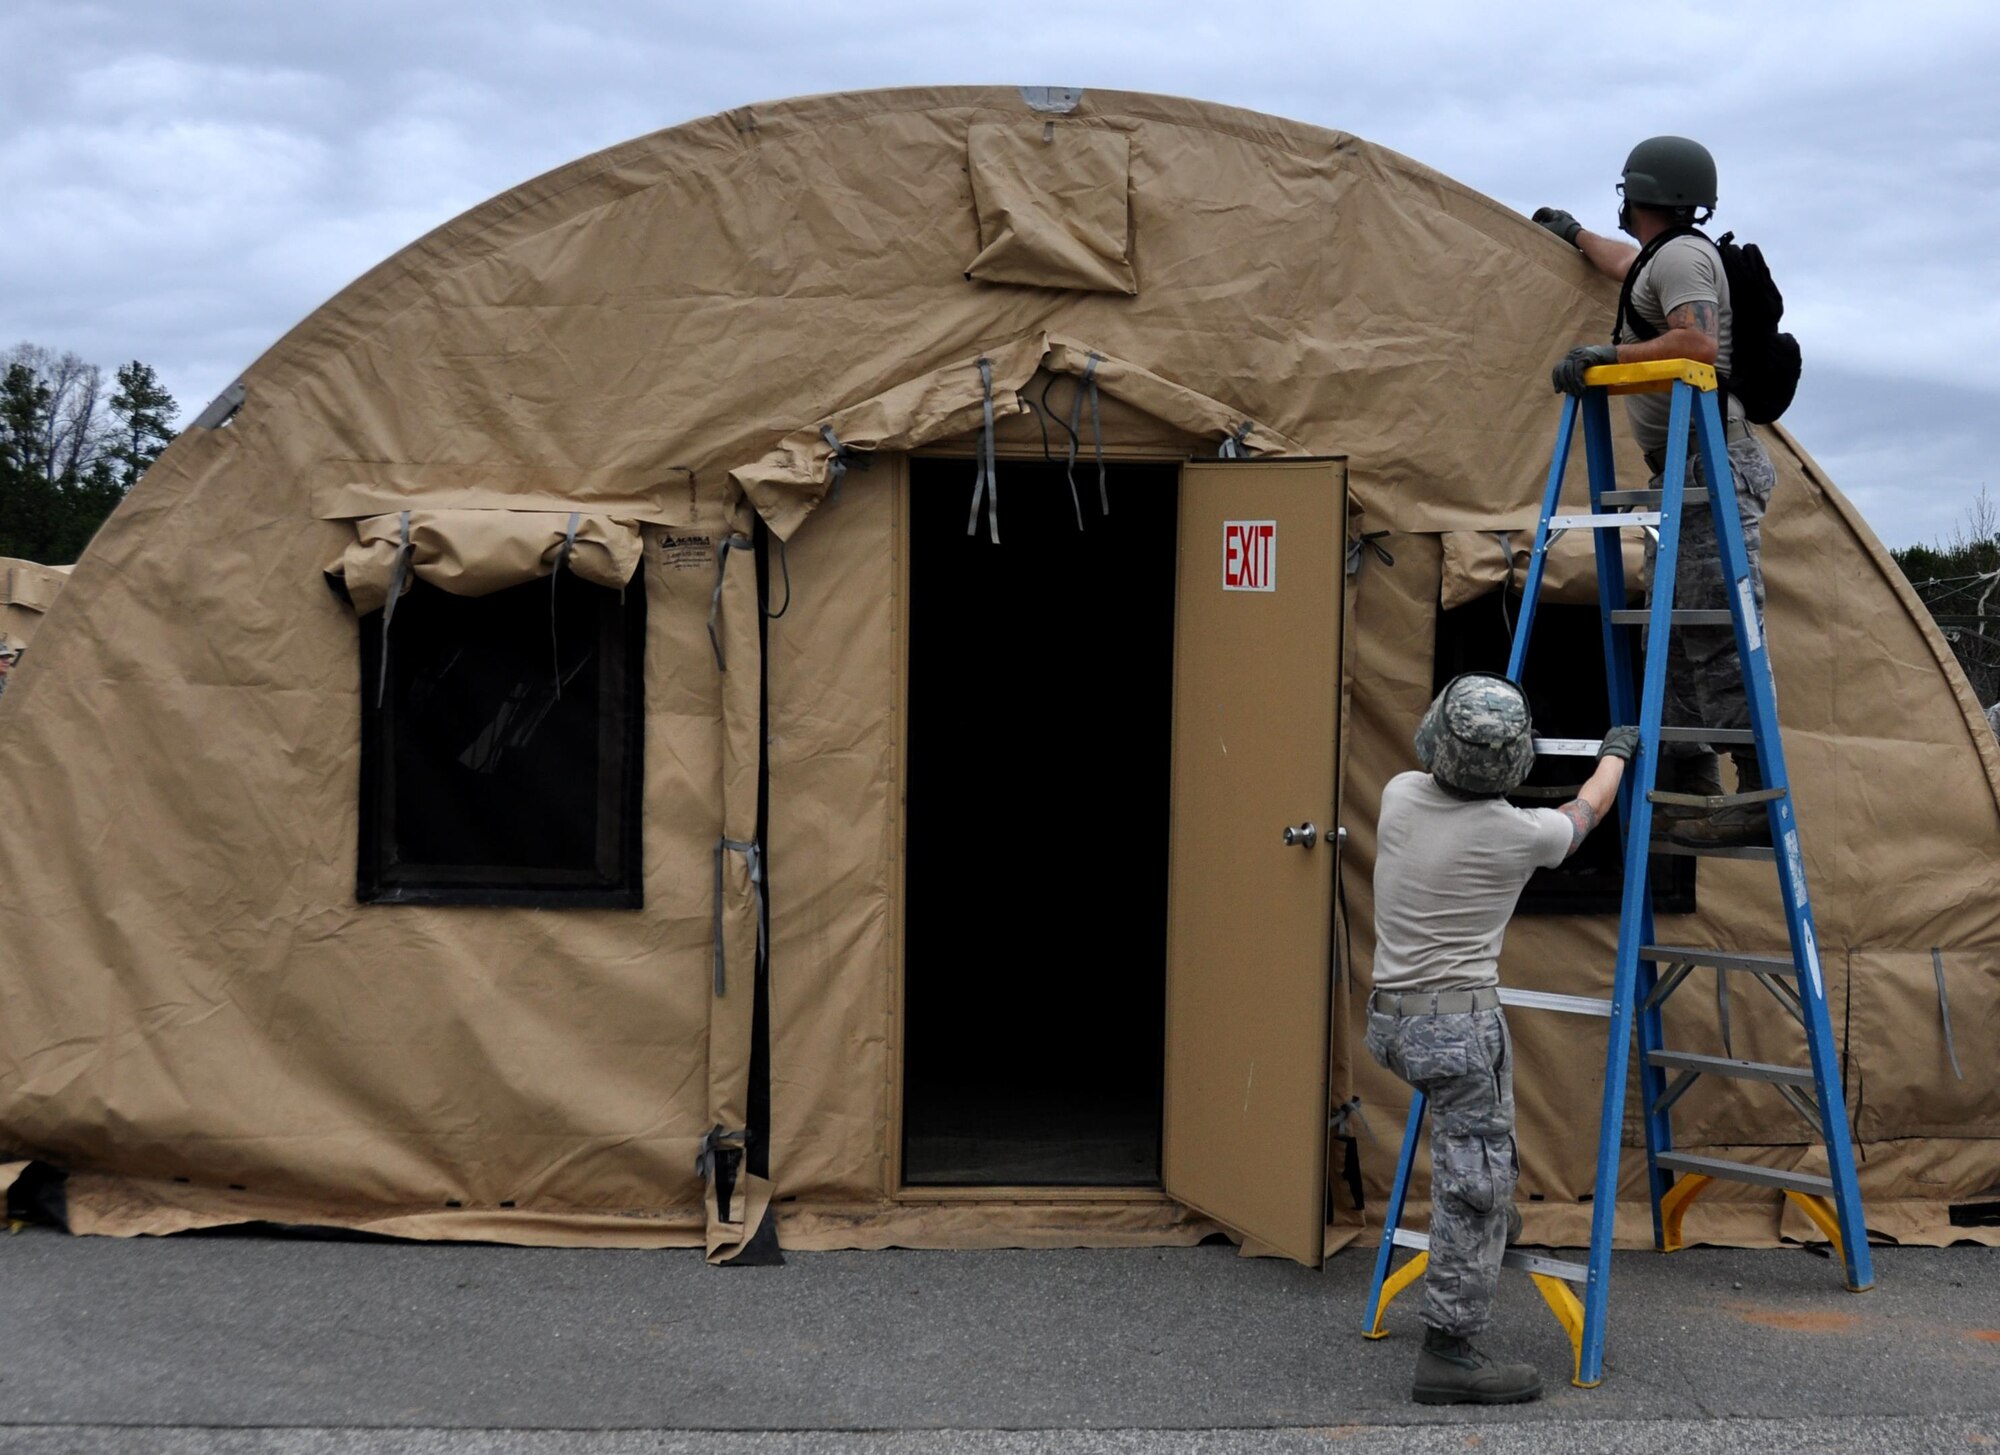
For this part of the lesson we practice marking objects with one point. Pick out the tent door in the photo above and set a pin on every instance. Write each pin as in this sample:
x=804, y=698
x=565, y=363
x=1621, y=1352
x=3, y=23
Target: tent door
x=1250, y=918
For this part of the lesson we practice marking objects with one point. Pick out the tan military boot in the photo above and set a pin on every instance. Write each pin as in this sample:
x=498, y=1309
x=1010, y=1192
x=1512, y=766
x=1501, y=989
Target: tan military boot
x=1739, y=826
x=1697, y=773
x=1451, y=1371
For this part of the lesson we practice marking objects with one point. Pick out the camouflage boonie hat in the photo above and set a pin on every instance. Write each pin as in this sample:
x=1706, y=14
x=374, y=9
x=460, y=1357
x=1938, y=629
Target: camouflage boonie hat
x=1477, y=737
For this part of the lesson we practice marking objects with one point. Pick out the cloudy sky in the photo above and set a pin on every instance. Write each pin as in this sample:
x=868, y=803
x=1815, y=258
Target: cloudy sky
x=185, y=179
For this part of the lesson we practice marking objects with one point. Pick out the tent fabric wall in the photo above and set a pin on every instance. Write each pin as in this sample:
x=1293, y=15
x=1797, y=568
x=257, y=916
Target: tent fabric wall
x=27, y=590
x=655, y=334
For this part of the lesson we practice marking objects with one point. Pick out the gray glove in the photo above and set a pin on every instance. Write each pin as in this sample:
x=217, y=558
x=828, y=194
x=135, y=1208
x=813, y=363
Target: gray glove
x=1559, y=222
x=1619, y=742
x=1568, y=375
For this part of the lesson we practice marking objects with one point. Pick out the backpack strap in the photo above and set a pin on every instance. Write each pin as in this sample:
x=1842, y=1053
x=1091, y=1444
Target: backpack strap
x=1641, y=329
x=1626, y=318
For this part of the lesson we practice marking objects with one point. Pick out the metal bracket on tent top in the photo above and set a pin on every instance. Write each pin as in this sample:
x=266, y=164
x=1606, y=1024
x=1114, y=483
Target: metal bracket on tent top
x=221, y=409
x=1060, y=99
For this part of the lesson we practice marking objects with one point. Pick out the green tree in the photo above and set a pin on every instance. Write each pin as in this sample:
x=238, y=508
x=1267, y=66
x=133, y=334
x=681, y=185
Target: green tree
x=67, y=454
x=1958, y=579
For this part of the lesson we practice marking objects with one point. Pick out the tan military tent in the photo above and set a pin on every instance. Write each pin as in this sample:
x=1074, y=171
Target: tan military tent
x=875, y=578
x=27, y=590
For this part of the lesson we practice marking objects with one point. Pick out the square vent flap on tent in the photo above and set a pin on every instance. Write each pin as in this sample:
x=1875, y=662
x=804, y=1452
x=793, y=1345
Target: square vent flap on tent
x=1054, y=205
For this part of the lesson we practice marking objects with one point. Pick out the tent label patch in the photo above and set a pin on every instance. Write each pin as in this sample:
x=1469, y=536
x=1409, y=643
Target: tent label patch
x=687, y=553
x=1249, y=555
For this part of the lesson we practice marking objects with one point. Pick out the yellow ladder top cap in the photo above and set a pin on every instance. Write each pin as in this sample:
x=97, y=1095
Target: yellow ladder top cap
x=1656, y=377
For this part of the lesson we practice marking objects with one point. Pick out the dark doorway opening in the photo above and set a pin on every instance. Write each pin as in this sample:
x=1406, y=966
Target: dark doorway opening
x=1040, y=711
x=1564, y=680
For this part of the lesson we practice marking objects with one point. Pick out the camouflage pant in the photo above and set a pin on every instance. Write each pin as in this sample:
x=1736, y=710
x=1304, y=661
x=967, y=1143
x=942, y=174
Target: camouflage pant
x=1465, y=1064
x=1704, y=679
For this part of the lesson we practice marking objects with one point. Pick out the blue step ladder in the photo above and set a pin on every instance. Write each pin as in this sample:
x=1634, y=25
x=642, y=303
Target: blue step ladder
x=1647, y=971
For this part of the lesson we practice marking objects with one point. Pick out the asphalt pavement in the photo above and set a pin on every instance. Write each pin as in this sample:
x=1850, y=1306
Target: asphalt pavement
x=250, y=1344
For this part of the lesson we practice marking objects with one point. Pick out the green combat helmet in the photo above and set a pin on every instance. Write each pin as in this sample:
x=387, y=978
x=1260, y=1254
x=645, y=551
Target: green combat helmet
x=1477, y=737
x=1670, y=171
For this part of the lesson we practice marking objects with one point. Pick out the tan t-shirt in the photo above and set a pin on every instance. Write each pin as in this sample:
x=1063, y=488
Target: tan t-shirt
x=1686, y=270
x=1447, y=875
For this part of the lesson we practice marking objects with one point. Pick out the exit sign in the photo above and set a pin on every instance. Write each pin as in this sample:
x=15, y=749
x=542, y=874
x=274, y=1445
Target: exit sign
x=1249, y=555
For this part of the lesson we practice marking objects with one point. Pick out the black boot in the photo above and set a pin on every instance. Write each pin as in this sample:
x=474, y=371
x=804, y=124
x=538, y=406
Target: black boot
x=1451, y=1371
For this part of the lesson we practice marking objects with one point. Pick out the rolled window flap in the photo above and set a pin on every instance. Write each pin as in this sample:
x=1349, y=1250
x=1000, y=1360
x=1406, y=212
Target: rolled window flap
x=478, y=552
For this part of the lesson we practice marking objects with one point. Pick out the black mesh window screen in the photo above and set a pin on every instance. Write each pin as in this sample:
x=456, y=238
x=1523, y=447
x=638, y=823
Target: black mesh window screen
x=502, y=763
x=1564, y=678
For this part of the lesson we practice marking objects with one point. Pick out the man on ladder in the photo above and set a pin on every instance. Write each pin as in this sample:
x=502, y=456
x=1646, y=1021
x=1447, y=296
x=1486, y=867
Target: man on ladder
x=1676, y=305
x=1453, y=857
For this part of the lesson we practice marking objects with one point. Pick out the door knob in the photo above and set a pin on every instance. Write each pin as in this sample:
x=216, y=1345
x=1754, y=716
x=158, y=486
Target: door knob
x=1304, y=836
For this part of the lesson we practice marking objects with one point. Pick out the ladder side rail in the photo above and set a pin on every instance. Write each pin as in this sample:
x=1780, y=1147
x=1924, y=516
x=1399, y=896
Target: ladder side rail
x=1531, y=589
x=1624, y=708
x=1392, y=1214
x=1635, y=899
x=1752, y=652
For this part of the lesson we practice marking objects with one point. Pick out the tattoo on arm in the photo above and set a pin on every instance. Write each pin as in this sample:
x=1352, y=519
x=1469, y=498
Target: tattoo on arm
x=1582, y=819
x=1701, y=316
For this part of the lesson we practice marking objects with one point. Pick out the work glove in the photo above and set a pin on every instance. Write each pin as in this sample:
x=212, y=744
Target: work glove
x=1559, y=222
x=1568, y=375
x=1619, y=742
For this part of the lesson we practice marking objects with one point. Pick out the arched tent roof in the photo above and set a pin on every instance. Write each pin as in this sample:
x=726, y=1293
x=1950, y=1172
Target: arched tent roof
x=647, y=346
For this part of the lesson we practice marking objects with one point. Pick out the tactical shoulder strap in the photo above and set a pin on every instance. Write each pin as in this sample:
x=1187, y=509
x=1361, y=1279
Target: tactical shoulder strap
x=1627, y=319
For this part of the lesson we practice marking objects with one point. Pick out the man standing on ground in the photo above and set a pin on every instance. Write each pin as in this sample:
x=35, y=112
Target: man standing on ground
x=1679, y=309
x=1452, y=858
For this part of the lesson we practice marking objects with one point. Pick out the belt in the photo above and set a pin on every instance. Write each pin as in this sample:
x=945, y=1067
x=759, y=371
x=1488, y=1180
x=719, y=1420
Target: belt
x=1434, y=1002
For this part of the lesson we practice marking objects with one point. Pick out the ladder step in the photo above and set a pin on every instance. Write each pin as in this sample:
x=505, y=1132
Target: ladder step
x=1617, y=521
x=1568, y=748
x=1724, y=1066
x=1745, y=1172
x=1589, y=747
x=1714, y=737
x=1719, y=959
x=1689, y=617
x=1613, y=498
x=1706, y=851
x=1512, y=1258
x=1713, y=801
x=1552, y=1000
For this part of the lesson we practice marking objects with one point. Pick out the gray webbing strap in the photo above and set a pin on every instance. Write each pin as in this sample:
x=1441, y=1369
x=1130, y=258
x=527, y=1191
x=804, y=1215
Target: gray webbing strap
x=1233, y=446
x=986, y=487
x=562, y=560
x=729, y=543
x=717, y=1138
x=1944, y=1010
x=1087, y=386
x=396, y=577
x=836, y=468
x=753, y=856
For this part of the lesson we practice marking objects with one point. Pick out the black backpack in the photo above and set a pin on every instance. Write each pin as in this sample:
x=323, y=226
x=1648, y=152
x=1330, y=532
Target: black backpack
x=1764, y=363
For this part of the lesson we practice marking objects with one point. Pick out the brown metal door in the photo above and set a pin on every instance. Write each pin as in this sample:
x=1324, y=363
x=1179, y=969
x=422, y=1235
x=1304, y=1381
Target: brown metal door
x=1250, y=917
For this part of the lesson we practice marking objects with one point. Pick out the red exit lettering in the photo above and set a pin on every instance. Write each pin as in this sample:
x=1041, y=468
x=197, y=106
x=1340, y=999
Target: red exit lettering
x=1249, y=555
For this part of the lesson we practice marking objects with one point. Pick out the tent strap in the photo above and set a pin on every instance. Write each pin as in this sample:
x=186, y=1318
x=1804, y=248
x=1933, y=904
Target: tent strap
x=1087, y=386
x=729, y=543
x=396, y=579
x=562, y=560
x=753, y=855
x=1236, y=445
x=1944, y=1011
x=986, y=483
x=718, y=1139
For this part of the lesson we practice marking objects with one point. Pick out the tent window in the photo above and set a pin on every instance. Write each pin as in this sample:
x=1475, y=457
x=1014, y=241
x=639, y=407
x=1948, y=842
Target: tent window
x=1564, y=677
x=502, y=763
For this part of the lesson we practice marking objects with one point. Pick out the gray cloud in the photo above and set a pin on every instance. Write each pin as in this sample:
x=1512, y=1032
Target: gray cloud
x=187, y=181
